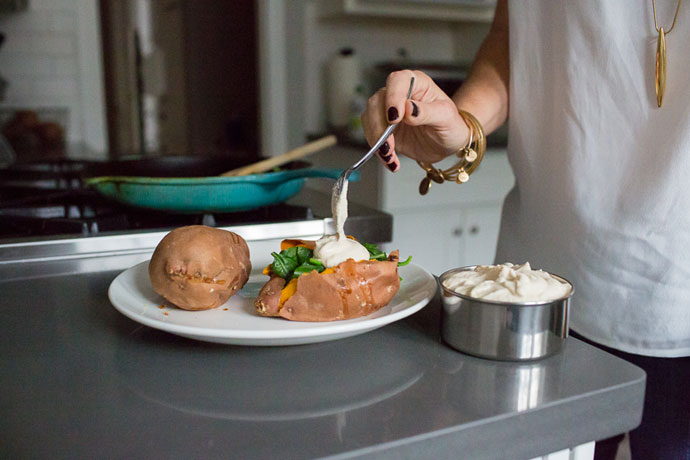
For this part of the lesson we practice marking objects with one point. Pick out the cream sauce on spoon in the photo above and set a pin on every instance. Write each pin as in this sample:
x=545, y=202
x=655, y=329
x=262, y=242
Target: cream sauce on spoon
x=336, y=248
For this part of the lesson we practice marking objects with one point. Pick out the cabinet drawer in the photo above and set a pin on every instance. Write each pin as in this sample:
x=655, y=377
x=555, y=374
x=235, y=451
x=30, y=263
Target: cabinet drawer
x=433, y=239
x=441, y=239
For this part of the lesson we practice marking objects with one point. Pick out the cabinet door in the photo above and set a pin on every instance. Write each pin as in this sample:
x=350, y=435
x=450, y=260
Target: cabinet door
x=481, y=234
x=433, y=238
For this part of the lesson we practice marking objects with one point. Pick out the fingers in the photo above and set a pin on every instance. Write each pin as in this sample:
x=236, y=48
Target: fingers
x=397, y=87
x=374, y=123
x=388, y=156
x=373, y=118
x=391, y=105
x=441, y=113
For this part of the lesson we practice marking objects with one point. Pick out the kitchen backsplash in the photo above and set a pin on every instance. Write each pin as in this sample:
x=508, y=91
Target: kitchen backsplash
x=51, y=59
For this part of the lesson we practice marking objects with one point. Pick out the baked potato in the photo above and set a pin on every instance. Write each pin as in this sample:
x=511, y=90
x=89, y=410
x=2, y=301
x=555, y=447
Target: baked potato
x=198, y=267
x=309, y=291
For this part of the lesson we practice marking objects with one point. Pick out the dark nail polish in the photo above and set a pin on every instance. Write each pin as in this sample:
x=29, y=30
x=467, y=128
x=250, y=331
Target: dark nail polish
x=415, y=109
x=384, y=149
x=391, y=166
x=392, y=114
x=387, y=158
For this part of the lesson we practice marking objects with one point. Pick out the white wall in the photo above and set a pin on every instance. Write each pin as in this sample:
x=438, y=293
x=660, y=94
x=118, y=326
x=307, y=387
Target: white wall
x=311, y=39
x=374, y=40
x=52, y=59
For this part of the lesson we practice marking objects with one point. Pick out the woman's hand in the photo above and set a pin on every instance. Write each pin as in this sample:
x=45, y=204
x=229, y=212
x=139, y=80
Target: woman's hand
x=430, y=126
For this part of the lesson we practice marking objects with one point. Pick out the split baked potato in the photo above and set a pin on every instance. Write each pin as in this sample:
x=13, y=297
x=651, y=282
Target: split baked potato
x=300, y=288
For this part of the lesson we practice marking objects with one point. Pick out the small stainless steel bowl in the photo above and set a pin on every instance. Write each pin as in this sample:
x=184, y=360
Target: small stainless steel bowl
x=507, y=331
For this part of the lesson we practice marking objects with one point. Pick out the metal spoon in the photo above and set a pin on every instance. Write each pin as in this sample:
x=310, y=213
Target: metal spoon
x=342, y=179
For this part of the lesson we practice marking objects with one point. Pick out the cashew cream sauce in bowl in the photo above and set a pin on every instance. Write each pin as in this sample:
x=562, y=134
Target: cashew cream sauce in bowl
x=505, y=312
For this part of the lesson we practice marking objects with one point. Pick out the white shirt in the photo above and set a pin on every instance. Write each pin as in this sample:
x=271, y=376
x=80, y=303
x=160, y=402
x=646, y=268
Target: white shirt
x=602, y=192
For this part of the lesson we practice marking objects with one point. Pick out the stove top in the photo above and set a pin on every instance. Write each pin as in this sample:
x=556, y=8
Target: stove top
x=49, y=198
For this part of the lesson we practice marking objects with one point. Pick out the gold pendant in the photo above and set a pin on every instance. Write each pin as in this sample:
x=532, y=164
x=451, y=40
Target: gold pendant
x=660, y=67
x=425, y=185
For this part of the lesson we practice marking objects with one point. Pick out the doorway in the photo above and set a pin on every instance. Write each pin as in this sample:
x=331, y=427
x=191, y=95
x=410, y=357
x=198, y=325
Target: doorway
x=181, y=77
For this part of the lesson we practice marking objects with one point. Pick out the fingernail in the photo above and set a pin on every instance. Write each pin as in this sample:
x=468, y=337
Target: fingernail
x=392, y=166
x=392, y=114
x=415, y=109
x=387, y=158
x=384, y=149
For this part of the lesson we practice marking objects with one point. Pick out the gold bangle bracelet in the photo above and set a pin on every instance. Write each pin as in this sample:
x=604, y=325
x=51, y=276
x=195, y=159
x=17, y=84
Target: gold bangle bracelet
x=470, y=155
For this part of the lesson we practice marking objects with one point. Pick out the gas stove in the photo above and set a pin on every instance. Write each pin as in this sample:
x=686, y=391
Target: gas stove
x=49, y=198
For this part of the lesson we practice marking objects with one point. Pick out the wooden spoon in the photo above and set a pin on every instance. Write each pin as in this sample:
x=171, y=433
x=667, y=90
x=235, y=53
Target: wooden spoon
x=270, y=163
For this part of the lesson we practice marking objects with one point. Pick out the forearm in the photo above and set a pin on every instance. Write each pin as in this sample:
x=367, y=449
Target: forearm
x=485, y=92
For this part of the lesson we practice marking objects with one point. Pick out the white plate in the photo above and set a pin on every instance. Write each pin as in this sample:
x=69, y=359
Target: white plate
x=236, y=322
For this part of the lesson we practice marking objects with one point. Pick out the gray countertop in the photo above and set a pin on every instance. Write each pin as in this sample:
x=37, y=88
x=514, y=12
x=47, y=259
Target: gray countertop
x=80, y=380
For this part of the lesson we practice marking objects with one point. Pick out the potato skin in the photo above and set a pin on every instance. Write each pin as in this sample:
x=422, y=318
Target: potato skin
x=198, y=267
x=268, y=302
x=354, y=289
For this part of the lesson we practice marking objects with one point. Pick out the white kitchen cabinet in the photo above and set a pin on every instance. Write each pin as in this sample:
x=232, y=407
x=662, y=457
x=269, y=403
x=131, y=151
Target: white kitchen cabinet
x=582, y=452
x=481, y=234
x=453, y=225
x=444, y=238
x=429, y=237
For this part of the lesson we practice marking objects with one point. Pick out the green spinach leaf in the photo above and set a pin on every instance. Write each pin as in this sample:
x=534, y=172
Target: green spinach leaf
x=303, y=254
x=307, y=268
x=283, y=264
x=405, y=262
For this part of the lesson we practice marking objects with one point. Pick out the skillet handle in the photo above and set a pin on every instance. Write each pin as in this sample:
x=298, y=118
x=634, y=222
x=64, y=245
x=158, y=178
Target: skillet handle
x=299, y=152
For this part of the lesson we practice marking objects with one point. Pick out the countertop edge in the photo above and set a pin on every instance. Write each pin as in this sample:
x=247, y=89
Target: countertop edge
x=611, y=411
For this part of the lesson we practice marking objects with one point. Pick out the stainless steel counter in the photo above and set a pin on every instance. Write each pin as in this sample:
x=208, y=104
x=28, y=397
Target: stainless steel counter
x=80, y=380
x=367, y=224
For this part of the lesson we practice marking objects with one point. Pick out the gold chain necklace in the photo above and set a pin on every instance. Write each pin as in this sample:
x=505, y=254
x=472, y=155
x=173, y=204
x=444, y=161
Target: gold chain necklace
x=660, y=82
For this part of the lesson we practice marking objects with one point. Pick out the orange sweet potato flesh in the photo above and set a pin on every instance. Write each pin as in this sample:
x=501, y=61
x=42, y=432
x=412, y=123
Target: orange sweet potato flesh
x=285, y=244
x=198, y=267
x=351, y=290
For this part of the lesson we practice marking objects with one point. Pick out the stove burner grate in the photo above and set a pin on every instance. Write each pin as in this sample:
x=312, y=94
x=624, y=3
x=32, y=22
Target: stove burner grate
x=34, y=212
x=48, y=198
